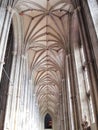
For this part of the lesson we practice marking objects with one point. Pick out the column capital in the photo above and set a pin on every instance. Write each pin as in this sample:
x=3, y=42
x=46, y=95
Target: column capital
x=9, y=8
x=77, y=9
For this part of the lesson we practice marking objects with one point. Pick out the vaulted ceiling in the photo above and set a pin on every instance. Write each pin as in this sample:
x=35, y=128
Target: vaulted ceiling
x=46, y=35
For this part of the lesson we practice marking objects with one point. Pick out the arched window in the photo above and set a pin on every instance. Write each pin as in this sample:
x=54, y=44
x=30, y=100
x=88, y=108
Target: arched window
x=48, y=122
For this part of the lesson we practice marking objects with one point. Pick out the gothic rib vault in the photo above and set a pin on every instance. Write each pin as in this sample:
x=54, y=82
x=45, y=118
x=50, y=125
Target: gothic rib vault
x=48, y=64
x=46, y=36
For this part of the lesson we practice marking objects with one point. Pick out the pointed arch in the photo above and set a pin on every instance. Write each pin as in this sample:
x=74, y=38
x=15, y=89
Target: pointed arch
x=48, y=121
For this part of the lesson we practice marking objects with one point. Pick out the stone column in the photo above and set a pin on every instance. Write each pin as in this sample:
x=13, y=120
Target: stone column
x=26, y=88
x=91, y=67
x=5, y=22
x=19, y=112
x=34, y=101
x=65, y=104
x=31, y=104
x=12, y=93
x=74, y=98
x=61, y=111
x=73, y=39
x=90, y=10
x=83, y=107
x=69, y=113
x=93, y=6
x=22, y=113
x=58, y=119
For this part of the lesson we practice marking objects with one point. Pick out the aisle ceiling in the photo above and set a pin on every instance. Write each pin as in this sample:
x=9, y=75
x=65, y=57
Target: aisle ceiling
x=46, y=33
